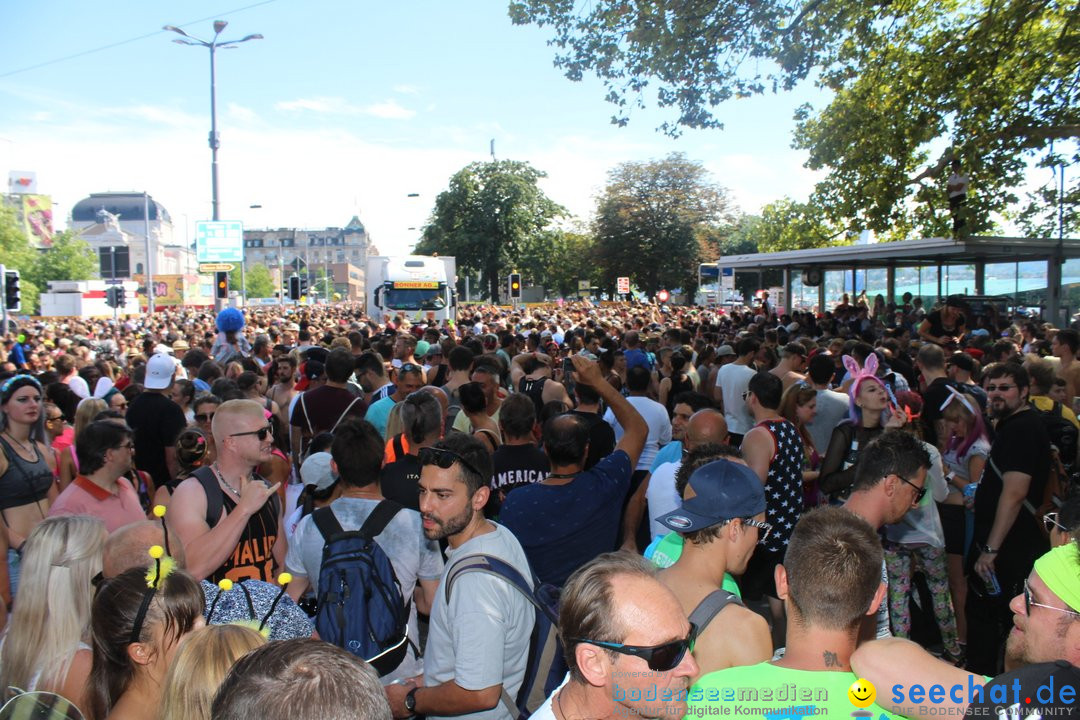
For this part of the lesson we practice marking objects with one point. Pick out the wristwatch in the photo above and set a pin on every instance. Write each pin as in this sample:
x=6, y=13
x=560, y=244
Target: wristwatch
x=410, y=700
x=989, y=550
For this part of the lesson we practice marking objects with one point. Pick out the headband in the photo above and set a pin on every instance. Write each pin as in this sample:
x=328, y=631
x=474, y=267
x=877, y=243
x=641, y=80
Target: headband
x=8, y=386
x=955, y=394
x=163, y=565
x=1060, y=570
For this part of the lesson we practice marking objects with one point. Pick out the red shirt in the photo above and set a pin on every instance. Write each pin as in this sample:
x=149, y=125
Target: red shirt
x=83, y=497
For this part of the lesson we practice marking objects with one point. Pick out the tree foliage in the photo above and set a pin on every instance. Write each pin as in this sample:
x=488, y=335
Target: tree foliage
x=487, y=217
x=257, y=281
x=914, y=83
x=557, y=259
x=649, y=221
x=69, y=258
x=790, y=225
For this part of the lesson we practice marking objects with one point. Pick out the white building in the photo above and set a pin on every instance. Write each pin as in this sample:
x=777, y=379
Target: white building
x=114, y=224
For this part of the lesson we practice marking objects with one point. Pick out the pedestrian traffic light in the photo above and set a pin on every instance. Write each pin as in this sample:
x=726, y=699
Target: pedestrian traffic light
x=114, y=296
x=12, y=291
x=221, y=285
x=515, y=286
x=121, y=296
x=294, y=287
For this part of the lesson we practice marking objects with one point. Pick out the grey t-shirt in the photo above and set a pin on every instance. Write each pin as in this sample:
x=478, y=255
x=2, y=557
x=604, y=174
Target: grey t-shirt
x=412, y=555
x=832, y=407
x=481, y=638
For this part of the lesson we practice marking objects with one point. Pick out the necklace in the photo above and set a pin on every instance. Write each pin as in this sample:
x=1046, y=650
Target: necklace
x=217, y=471
x=558, y=703
x=562, y=476
x=27, y=448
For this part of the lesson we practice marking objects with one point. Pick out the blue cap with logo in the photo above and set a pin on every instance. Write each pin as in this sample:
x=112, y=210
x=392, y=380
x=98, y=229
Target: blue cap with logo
x=723, y=490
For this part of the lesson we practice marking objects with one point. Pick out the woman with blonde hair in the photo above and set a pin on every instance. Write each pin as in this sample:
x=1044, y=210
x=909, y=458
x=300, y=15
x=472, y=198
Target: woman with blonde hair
x=45, y=647
x=69, y=462
x=199, y=668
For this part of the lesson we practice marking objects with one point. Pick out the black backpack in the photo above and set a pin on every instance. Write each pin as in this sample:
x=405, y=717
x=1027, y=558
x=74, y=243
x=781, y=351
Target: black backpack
x=361, y=607
x=546, y=666
x=1063, y=434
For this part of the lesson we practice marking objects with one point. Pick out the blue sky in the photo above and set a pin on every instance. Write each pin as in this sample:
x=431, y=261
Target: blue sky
x=344, y=108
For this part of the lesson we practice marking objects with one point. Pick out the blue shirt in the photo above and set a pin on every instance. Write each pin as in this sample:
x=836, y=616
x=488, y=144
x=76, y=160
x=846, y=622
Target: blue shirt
x=562, y=527
x=672, y=452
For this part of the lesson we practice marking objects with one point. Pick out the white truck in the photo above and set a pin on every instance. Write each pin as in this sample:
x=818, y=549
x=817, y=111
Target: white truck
x=417, y=286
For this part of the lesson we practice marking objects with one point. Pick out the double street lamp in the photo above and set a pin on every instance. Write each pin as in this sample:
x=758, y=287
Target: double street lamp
x=213, y=45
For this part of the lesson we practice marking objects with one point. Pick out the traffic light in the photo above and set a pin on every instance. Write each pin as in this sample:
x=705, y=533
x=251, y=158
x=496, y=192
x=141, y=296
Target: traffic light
x=12, y=291
x=121, y=296
x=112, y=297
x=221, y=285
x=303, y=285
x=515, y=286
x=294, y=287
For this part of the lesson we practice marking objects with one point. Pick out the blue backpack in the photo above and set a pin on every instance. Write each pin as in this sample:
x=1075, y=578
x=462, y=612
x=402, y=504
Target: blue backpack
x=361, y=608
x=546, y=666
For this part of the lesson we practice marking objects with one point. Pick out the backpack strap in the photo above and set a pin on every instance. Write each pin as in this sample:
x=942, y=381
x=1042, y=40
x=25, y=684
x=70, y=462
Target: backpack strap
x=379, y=518
x=342, y=416
x=327, y=523
x=399, y=446
x=215, y=498
x=307, y=418
x=710, y=606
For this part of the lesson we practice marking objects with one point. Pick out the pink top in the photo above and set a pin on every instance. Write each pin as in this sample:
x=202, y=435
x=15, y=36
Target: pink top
x=83, y=497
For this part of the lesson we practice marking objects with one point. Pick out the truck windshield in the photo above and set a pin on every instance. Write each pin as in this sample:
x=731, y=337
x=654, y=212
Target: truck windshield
x=399, y=299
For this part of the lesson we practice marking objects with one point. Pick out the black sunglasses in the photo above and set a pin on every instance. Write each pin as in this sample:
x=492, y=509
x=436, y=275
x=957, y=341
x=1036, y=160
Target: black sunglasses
x=660, y=658
x=411, y=368
x=443, y=458
x=262, y=433
x=204, y=417
x=919, y=491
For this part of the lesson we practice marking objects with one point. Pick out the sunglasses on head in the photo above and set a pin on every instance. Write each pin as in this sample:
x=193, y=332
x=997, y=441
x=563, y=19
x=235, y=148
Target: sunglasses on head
x=262, y=433
x=659, y=658
x=443, y=458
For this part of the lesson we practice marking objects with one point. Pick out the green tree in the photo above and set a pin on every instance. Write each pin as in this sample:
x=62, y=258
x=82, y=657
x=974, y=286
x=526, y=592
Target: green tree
x=487, y=216
x=789, y=225
x=69, y=258
x=648, y=220
x=17, y=253
x=557, y=260
x=992, y=83
x=259, y=282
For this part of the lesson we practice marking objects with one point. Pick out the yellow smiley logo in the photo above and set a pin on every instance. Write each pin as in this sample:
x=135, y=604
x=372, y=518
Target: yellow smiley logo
x=862, y=693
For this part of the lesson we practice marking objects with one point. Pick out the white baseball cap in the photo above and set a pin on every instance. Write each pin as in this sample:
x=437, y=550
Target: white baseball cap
x=316, y=471
x=159, y=371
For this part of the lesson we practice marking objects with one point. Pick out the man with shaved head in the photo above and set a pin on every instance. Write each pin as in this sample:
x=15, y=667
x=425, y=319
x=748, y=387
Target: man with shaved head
x=706, y=426
x=573, y=515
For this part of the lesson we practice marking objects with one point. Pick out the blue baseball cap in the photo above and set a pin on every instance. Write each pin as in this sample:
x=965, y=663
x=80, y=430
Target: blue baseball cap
x=723, y=490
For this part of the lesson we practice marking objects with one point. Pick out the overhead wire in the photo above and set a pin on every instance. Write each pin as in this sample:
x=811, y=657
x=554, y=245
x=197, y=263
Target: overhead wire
x=83, y=53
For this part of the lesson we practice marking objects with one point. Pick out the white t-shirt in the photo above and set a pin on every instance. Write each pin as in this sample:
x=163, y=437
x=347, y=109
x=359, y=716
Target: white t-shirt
x=733, y=380
x=547, y=710
x=656, y=417
x=962, y=181
x=662, y=496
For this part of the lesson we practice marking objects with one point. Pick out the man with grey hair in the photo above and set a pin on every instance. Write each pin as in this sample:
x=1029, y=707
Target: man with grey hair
x=620, y=664
x=300, y=680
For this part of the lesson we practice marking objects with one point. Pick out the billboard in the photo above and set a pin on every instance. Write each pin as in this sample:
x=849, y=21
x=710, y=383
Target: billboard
x=37, y=219
x=219, y=242
x=22, y=181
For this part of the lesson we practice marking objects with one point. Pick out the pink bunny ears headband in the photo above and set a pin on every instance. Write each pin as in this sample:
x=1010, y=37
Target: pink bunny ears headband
x=859, y=374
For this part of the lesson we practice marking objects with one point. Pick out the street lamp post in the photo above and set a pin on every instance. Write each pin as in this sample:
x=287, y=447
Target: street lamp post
x=215, y=140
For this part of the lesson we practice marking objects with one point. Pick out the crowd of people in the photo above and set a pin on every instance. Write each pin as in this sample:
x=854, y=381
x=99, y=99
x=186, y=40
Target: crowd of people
x=262, y=513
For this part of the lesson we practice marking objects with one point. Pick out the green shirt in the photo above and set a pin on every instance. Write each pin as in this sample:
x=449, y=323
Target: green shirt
x=767, y=691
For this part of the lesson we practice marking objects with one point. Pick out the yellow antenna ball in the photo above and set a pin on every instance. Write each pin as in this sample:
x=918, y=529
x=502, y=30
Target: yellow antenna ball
x=157, y=552
x=284, y=578
x=159, y=511
x=225, y=584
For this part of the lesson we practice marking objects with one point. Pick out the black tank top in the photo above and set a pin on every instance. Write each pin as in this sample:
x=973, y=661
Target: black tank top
x=535, y=390
x=24, y=482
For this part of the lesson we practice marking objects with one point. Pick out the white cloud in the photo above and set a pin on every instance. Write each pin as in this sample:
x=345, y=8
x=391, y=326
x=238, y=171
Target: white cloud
x=407, y=89
x=387, y=109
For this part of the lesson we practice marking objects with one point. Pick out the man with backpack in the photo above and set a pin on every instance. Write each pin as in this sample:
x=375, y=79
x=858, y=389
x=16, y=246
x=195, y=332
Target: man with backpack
x=481, y=622
x=360, y=596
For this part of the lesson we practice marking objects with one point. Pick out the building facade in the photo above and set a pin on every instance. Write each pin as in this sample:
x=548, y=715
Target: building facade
x=340, y=253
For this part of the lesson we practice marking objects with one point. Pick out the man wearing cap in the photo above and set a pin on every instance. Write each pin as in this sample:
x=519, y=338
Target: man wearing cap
x=1044, y=641
x=945, y=326
x=792, y=364
x=960, y=367
x=721, y=521
x=157, y=421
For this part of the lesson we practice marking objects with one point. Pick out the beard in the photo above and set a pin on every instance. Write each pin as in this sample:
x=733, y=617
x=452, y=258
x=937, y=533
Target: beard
x=451, y=526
